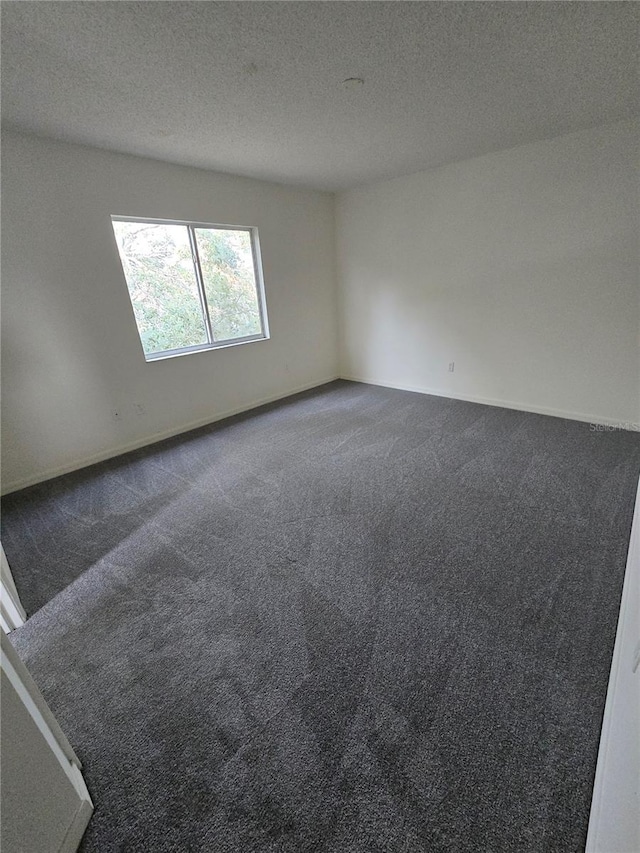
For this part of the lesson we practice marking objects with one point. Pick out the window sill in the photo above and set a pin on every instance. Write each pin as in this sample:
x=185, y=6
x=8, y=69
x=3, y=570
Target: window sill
x=162, y=356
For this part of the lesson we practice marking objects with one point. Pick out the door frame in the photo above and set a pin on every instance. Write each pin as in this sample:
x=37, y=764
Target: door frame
x=12, y=613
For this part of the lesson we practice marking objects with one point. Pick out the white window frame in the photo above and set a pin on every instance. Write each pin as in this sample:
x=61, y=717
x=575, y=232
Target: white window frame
x=257, y=271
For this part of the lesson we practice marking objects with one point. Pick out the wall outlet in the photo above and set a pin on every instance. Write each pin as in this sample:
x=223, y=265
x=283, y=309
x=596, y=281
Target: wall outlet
x=452, y=366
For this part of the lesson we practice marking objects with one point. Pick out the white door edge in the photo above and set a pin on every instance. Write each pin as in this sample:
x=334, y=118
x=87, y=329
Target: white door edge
x=614, y=822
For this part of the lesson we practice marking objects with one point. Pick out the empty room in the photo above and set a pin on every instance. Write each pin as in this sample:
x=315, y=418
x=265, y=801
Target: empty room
x=320, y=427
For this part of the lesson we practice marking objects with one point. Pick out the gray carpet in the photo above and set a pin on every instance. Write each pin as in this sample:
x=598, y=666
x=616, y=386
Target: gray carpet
x=359, y=620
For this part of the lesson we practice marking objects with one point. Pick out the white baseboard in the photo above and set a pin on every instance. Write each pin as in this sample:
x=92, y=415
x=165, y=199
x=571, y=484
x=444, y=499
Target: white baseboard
x=502, y=404
x=76, y=465
x=49, y=474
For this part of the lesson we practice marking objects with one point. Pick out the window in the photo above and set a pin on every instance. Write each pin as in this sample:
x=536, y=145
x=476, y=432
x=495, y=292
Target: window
x=192, y=287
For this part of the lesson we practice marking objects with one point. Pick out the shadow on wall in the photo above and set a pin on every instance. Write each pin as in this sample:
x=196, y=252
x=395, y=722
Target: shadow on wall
x=50, y=378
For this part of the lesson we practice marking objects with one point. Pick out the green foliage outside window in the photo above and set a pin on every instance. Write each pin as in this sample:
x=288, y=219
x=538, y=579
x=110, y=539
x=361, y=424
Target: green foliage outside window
x=160, y=274
x=227, y=269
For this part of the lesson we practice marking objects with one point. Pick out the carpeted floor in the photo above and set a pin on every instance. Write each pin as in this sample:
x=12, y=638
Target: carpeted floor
x=359, y=620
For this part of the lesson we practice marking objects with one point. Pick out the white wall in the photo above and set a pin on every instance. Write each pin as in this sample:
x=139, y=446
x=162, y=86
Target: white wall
x=71, y=352
x=521, y=267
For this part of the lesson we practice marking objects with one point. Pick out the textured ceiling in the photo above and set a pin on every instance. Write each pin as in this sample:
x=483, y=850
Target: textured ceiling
x=255, y=88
